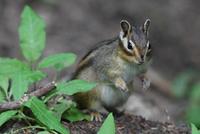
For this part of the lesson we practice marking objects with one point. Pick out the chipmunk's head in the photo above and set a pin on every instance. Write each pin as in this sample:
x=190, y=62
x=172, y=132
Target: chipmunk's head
x=134, y=42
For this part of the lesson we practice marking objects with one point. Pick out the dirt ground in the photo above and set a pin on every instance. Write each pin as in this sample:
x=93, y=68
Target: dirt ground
x=76, y=25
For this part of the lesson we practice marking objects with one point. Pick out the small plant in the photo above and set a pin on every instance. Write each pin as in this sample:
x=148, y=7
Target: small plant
x=188, y=85
x=108, y=126
x=17, y=76
x=194, y=129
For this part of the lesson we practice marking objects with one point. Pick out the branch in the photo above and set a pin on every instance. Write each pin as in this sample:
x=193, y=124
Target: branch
x=39, y=92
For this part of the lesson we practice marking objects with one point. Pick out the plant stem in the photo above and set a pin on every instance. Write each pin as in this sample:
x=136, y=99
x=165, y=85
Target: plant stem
x=49, y=97
x=27, y=127
x=33, y=68
x=26, y=118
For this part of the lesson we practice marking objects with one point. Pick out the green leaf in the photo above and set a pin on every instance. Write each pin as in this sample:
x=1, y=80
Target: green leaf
x=73, y=114
x=74, y=86
x=108, y=126
x=31, y=34
x=44, y=132
x=2, y=95
x=192, y=114
x=22, y=80
x=58, y=61
x=5, y=116
x=19, y=85
x=10, y=66
x=194, y=129
x=45, y=116
x=3, y=87
x=180, y=84
x=195, y=93
x=59, y=109
x=34, y=76
x=3, y=82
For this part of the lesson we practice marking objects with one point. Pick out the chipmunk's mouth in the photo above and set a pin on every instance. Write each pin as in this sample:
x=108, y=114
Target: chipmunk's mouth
x=138, y=61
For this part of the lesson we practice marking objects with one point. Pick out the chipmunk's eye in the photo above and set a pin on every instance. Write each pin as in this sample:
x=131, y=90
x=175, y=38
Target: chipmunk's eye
x=130, y=45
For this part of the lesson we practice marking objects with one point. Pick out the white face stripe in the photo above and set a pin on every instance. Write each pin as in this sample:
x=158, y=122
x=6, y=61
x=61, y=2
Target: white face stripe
x=147, y=47
x=125, y=41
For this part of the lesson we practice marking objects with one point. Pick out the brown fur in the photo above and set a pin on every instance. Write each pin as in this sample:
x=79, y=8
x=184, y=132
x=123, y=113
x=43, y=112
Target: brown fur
x=84, y=100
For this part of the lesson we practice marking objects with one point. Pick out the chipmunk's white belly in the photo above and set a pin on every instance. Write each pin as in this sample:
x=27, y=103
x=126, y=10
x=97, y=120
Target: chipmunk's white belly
x=112, y=97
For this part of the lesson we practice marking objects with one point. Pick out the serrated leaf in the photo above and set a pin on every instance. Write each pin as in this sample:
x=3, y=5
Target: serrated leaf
x=108, y=126
x=58, y=61
x=10, y=66
x=19, y=85
x=5, y=116
x=74, y=86
x=73, y=114
x=31, y=34
x=45, y=116
x=194, y=129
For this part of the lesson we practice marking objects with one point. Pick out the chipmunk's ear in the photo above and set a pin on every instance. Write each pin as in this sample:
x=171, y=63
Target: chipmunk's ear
x=125, y=27
x=146, y=26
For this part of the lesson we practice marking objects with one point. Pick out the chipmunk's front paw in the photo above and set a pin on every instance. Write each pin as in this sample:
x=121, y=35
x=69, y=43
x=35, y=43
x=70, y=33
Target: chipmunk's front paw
x=96, y=116
x=120, y=83
x=146, y=83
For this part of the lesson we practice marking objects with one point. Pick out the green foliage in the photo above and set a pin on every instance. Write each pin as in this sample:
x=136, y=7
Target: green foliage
x=60, y=108
x=11, y=66
x=184, y=86
x=31, y=34
x=5, y=116
x=192, y=113
x=194, y=129
x=2, y=95
x=181, y=83
x=74, y=86
x=19, y=85
x=58, y=61
x=195, y=93
x=34, y=76
x=73, y=114
x=3, y=85
x=44, y=132
x=108, y=126
x=16, y=77
x=44, y=115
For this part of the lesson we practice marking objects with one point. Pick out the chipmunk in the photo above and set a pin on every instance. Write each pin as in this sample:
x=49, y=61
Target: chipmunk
x=112, y=65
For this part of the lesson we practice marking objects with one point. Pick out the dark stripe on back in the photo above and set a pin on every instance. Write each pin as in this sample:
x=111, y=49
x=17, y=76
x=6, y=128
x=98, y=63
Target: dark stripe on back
x=89, y=62
x=98, y=45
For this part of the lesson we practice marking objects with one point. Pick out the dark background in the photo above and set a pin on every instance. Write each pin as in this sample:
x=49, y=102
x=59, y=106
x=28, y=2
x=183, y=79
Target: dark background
x=76, y=25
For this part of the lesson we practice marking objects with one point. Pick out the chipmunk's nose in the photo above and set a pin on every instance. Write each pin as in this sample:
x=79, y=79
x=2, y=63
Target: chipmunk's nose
x=141, y=60
x=142, y=57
